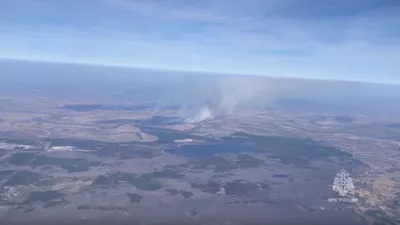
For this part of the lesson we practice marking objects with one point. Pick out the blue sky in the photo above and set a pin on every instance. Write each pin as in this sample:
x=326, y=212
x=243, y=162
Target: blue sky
x=342, y=39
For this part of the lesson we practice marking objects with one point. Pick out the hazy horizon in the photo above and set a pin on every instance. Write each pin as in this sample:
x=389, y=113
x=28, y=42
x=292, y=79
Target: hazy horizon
x=197, y=93
x=190, y=72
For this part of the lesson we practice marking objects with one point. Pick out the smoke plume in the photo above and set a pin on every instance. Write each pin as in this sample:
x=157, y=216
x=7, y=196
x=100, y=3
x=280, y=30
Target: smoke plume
x=229, y=95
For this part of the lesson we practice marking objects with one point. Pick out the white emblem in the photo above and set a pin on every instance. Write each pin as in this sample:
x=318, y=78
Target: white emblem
x=343, y=183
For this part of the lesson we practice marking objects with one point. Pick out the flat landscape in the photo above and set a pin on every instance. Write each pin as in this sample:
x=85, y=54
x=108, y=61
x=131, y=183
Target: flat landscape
x=136, y=160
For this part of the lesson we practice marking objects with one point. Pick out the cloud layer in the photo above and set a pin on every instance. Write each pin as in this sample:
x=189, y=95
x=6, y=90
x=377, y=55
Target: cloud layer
x=352, y=39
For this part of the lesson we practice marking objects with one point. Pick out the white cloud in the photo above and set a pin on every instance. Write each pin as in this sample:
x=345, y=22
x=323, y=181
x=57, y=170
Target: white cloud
x=253, y=36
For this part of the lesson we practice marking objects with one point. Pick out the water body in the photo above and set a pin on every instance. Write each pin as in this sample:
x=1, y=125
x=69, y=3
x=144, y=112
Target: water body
x=287, y=150
x=280, y=176
x=204, y=150
x=154, y=121
x=163, y=120
x=169, y=136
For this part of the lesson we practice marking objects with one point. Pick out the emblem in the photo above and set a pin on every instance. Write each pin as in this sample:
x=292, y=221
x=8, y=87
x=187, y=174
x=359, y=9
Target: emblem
x=343, y=183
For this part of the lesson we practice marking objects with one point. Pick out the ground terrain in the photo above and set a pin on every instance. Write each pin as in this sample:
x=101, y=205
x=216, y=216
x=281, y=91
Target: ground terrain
x=105, y=145
x=106, y=161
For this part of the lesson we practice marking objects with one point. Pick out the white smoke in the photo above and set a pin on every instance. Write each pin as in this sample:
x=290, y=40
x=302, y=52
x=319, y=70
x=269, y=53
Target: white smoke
x=205, y=113
x=239, y=91
x=230, y=94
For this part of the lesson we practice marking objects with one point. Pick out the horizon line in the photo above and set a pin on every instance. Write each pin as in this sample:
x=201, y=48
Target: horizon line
x=195, y=72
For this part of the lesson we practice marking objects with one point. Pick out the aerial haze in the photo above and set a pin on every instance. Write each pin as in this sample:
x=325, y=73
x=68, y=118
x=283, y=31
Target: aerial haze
x=113, y=143
x=200, y=112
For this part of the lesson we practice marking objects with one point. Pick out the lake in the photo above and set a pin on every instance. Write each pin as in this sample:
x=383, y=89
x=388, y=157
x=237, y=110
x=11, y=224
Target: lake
x=204, y=150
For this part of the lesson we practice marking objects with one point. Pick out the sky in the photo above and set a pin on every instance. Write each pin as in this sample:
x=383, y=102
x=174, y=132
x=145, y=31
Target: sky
x=341, y=39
